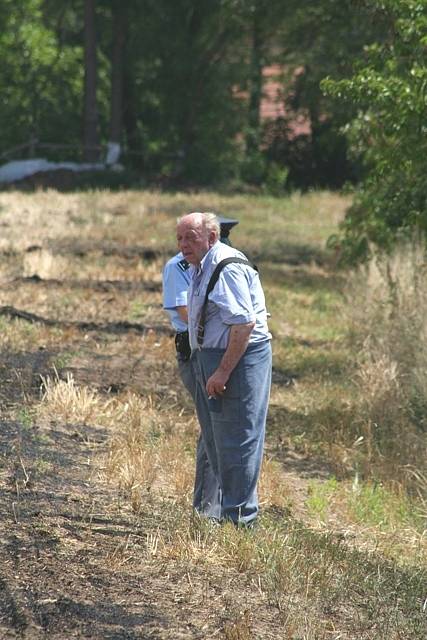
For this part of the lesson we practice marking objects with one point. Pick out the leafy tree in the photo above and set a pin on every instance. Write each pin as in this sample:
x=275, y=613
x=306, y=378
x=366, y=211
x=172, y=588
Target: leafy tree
x=40, y=78
x=181, y=69
x=261, y=23
x=319, y=38
x=389, y=132
x=120, y=29
x=179, y=84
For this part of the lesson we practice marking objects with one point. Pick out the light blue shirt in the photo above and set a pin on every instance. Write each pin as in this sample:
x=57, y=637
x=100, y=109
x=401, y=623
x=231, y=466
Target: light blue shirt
x=176, y=280
x=237, y=298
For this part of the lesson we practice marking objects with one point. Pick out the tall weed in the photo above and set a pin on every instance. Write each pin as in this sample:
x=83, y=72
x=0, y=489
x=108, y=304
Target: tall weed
x=388, y=312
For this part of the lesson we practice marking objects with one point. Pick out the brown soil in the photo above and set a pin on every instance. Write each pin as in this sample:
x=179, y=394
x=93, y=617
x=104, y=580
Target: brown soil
x=75, y=559
x=73, y=556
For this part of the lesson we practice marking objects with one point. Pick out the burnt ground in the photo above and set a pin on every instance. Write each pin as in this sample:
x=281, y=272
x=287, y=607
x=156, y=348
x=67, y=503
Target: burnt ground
x=75, y=559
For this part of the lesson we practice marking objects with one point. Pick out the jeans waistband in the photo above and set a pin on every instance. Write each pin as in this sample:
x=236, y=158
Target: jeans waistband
x=254, y=346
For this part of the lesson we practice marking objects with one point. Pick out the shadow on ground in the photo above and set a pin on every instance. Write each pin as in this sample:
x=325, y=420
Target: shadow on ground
x=21, y=374
x=59, y=536
x=302, y=278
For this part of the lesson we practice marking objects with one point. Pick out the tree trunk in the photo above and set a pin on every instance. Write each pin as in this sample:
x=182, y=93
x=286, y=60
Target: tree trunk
x=90, y=117
x=130, y=117
x=119, y=18
x=255, y=87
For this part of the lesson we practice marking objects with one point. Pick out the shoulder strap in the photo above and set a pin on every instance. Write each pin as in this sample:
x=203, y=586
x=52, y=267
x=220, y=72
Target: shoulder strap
x=211, y=284
x=219, y=267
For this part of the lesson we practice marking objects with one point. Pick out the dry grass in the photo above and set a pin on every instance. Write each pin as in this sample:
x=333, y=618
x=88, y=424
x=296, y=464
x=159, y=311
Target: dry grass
x=19, y=335
x=392, y=363
x=85, y=304
x=148, y=218
x=152, y=453
x=336, y=558
x=65, y=402
x=143, y=452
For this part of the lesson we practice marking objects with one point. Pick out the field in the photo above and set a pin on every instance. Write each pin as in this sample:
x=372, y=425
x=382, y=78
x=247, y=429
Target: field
x=97, y=436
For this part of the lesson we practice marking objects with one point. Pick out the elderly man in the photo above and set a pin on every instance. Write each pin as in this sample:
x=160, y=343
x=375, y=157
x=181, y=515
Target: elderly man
x=176, y=280
x=231, y=355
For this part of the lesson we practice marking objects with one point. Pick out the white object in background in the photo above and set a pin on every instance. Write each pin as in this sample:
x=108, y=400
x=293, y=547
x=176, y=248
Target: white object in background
x=19, y=169
x=113, y=153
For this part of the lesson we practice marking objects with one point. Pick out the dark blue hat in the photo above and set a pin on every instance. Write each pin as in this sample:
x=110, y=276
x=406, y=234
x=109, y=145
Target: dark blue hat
x=226, y=225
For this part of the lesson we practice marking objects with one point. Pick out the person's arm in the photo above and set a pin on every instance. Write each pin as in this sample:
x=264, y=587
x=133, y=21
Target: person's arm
x=175, y=287
x=237, y=345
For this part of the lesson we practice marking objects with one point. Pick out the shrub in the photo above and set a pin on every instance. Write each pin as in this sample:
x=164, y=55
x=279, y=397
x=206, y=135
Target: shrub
x=389, y=132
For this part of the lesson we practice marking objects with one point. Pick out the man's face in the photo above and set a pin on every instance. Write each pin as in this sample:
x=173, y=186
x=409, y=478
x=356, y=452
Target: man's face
x=194, y=241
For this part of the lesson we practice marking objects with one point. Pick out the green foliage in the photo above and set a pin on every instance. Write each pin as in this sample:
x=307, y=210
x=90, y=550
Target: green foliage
x=320, y=38
x=254, y=168
x=181, y=68
x=389, y=133
x=40, y=80
x=276, y=179
x=192, y=86
x=25, y=417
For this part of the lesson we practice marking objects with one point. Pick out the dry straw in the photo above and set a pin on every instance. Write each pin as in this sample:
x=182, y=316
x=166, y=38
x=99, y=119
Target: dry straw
x=388, y=311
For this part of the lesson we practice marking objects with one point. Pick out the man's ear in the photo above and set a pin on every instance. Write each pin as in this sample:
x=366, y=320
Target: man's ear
x=212, y=237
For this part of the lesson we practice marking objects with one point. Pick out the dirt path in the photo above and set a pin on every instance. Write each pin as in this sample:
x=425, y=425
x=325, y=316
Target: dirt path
x=75, y=561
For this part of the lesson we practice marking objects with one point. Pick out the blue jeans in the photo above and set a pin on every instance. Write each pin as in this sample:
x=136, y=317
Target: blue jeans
x=206, y=494
x=233, y=429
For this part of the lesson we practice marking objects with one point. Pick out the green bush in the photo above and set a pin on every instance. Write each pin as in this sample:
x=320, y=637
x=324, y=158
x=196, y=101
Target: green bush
x=253, y=169
x=389, y=132
x=276, y=179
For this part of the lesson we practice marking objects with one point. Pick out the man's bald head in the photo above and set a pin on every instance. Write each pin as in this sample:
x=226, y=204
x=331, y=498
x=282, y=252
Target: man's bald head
x=197, y=232
x=206, y=219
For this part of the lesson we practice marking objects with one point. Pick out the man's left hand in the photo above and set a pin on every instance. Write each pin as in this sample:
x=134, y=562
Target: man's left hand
x=216, y=384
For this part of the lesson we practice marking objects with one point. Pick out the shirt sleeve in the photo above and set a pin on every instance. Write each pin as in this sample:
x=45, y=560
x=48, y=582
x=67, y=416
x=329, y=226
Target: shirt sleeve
x=175, y=287
x=232, y=296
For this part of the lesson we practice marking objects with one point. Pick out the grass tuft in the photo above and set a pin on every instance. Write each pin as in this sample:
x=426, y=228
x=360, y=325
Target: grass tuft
x=66, y=402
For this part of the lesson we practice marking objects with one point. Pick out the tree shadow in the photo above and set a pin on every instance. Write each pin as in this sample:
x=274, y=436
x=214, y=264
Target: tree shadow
x=303, y=277
x=21, y=374
x=292, y=254
x=315, y=359
x=112, y=621
x=288, y=441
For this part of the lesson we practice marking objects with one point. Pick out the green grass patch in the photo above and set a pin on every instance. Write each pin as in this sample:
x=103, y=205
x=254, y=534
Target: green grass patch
x=374, y=504
x=319, y=496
